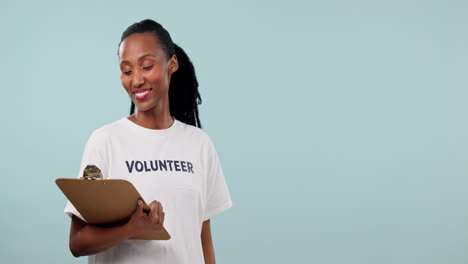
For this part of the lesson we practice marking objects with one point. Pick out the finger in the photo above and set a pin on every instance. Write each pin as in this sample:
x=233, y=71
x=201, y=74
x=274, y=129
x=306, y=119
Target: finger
x=155, y=217
x=161, y=214
x=153, y=209
x=154, y=202
x=157, y=214
x=162, y=218
x=138, y=210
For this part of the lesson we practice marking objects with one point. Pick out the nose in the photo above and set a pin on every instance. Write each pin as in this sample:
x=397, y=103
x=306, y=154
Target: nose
x=138, y=79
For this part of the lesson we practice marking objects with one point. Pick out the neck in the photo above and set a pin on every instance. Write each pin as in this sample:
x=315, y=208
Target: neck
x=157, y=118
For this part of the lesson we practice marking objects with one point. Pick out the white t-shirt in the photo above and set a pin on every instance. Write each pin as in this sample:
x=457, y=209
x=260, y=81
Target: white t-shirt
x=178, y=167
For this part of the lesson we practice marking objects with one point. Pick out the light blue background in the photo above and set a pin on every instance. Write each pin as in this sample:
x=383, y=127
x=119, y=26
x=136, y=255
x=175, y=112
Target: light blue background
x=341, y=125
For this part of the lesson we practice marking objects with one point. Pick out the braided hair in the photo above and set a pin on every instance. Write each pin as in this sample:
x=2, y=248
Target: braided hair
x=184, y=97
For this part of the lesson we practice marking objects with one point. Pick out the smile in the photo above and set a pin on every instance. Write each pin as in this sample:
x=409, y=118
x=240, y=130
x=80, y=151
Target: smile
x=141, y=94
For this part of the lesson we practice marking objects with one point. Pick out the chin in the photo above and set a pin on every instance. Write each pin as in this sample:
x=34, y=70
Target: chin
x=143, y=107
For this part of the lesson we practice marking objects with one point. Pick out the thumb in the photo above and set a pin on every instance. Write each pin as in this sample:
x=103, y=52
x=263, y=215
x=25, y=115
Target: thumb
x=140, y=206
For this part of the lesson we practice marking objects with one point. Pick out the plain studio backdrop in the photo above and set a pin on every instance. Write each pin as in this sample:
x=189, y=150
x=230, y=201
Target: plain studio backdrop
x=341, y=126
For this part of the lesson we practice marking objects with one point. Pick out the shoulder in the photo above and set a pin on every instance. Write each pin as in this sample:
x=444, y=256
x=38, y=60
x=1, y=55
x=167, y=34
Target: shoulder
x=199, y=139
x=102, y=133
x=194, y=133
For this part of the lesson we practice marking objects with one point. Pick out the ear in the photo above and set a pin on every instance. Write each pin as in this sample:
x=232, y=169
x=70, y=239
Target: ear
x=173, y=64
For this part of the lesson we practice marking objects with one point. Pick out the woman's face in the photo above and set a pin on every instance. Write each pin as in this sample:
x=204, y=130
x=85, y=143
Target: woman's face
x=145, y=71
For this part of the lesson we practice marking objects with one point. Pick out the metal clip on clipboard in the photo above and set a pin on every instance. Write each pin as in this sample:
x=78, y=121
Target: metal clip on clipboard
x=91, y=172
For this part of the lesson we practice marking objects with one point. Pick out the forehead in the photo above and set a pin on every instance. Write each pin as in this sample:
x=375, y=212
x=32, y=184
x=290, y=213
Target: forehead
x=139, y=44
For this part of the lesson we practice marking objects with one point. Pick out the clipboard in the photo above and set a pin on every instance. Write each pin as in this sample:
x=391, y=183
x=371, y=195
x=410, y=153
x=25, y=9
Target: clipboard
x=106, y=202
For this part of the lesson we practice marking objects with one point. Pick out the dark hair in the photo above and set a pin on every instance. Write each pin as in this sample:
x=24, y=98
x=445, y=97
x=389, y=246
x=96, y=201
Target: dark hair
x=184, y=97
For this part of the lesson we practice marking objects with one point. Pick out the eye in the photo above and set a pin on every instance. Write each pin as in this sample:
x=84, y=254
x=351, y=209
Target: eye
x=147, y=68
x=127, y=72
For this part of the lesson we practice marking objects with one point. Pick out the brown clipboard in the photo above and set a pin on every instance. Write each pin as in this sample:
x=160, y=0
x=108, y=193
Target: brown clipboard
x=106, y=202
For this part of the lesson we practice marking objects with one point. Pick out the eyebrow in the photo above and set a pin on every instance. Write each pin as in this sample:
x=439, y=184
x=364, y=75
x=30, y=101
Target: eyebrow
x=142, y=57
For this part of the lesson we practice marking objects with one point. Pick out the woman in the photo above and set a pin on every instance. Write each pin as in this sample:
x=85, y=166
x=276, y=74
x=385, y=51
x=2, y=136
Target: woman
x=163, y=152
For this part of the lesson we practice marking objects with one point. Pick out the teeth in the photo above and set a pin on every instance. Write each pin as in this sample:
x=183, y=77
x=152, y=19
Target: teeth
x=142, y=93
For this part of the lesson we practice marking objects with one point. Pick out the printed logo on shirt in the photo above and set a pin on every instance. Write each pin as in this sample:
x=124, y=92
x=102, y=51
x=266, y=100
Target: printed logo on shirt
x=159, y=165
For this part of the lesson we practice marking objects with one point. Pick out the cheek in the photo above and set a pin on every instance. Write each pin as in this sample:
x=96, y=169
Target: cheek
x=125, y=81
x=155, y=76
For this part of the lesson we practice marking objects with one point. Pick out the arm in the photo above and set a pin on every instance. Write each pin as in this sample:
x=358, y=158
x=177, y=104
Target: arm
x=207, y=243
x=86, y=239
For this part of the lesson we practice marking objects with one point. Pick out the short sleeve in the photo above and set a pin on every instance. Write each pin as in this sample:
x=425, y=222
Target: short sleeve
x=94, y=154
x=218, y=198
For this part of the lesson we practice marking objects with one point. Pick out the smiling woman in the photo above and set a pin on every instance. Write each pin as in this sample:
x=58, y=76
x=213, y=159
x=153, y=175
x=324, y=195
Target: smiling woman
x=165, y=63
x=187, y=186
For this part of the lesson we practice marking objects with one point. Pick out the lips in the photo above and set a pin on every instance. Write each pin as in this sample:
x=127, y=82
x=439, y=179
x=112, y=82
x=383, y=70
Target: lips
x=141, y=94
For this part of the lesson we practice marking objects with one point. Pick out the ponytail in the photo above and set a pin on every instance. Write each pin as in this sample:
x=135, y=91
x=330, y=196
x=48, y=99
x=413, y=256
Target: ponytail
x=184, y=97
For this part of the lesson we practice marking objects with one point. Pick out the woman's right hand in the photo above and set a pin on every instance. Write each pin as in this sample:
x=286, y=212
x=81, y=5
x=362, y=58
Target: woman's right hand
x=141, y=221
x=86, y=239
